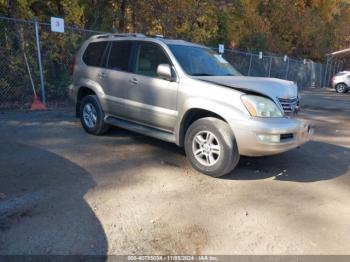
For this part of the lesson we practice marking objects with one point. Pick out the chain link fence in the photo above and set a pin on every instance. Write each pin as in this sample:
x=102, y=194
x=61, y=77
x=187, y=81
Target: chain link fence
x=305, y=73
x=19, y=66
x=20, y=74
x=17, y=43
x=57, y=53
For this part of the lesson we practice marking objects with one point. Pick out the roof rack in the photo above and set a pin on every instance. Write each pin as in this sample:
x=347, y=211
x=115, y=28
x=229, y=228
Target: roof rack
x=117, y=35
x=156, y=36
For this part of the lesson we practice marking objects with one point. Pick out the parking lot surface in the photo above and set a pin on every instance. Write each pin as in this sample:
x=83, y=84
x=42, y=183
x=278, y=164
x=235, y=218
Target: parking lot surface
x=63, y=191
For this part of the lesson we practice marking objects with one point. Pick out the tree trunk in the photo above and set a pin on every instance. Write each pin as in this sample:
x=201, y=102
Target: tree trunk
x=133, y=15
x=122, y=16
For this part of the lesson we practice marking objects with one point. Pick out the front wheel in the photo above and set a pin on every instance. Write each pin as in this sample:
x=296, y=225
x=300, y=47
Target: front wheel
x=341, y=88
x=211, y=147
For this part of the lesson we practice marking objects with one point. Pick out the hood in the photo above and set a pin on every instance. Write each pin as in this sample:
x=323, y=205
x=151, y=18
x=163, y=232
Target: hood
x=271, y=87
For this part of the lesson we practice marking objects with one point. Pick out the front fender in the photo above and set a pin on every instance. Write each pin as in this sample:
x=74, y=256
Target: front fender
x=228, y=112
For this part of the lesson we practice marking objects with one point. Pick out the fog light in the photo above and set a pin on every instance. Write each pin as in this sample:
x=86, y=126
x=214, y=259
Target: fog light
x=269, y=138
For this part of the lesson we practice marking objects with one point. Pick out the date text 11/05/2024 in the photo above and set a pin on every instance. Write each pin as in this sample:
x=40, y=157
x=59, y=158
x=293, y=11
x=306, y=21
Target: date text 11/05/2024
x=172, y=258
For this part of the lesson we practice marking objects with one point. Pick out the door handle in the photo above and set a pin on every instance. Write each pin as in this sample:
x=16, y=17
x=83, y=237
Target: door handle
x=101, y=75
x=133, y=81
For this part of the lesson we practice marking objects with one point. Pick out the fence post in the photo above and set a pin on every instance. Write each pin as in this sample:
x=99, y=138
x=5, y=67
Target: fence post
x=325, y=73
x=39, y=61
x=320, y=79
x=270, y=66
x=338, y=67
x=335, y=68
x=329, y=73
x=250, y=63
x=287, y=71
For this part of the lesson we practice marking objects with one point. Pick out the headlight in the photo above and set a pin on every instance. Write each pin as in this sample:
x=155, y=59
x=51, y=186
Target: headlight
x=260, y=106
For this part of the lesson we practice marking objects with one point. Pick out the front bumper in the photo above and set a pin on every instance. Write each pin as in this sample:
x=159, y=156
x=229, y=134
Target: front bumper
x=292, y=134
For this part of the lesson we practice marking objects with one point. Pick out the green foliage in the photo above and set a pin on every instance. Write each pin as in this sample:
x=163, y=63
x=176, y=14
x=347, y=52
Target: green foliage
x=304, y=28
x=300, y=28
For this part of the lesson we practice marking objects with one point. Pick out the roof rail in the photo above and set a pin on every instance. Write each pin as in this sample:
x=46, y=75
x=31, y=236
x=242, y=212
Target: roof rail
x=156, y=36
x=110, y=35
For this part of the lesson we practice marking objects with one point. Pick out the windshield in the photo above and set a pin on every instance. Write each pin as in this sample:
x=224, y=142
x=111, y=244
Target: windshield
x=200, y=61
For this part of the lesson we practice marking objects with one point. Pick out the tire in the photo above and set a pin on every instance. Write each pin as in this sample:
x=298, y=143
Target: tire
x=91, y=104
x=341, y=88
x=218, y=164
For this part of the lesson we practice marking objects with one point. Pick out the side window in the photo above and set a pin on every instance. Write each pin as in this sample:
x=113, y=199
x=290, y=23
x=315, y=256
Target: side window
x=148, y=58
x=94, y=53
x=119, y=56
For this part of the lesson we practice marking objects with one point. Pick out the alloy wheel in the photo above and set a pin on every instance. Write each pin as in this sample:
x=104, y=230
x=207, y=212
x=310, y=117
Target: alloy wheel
x=89, y=115
x=206, y=148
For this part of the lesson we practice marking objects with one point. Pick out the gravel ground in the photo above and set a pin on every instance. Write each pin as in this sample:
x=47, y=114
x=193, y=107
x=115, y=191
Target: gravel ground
x=63, y=191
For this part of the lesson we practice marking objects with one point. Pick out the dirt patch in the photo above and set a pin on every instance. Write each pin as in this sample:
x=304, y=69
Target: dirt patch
x=189, y=239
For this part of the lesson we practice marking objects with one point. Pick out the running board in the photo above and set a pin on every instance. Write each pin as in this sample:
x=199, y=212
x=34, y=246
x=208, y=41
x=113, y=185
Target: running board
x=142, y=129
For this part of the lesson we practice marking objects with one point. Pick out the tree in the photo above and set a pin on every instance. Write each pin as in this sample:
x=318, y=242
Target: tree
x=302, y=28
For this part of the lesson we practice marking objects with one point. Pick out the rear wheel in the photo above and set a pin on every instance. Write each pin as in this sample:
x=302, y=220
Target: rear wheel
x=211, y=147
x=92, y=116
x=341, y=88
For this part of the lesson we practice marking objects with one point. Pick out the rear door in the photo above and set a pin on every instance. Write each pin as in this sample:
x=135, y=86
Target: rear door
x=116, y=77
x=151, y=99
x=94, y=57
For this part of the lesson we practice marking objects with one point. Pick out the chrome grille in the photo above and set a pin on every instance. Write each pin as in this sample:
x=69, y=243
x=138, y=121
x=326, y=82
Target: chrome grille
x=289, y=105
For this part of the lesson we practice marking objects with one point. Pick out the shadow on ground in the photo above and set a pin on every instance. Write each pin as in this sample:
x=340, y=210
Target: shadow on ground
x=305, y=164
x=42, y=206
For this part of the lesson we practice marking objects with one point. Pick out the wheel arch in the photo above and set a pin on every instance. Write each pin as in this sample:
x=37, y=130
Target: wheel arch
x=342, y=83
x=83, y=91
x=189, y=117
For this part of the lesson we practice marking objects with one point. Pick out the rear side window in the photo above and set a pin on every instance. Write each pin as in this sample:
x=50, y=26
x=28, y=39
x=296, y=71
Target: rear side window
x=119, y=56
x=94, y=53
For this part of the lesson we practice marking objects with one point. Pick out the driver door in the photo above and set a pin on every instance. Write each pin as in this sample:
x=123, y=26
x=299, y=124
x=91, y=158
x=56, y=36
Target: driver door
x=152, y=100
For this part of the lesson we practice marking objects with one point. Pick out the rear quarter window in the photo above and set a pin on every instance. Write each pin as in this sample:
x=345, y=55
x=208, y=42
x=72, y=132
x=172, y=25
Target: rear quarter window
x=93, y=53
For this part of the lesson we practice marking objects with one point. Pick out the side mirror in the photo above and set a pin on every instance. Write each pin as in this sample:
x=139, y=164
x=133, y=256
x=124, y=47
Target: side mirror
x=164, y=71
